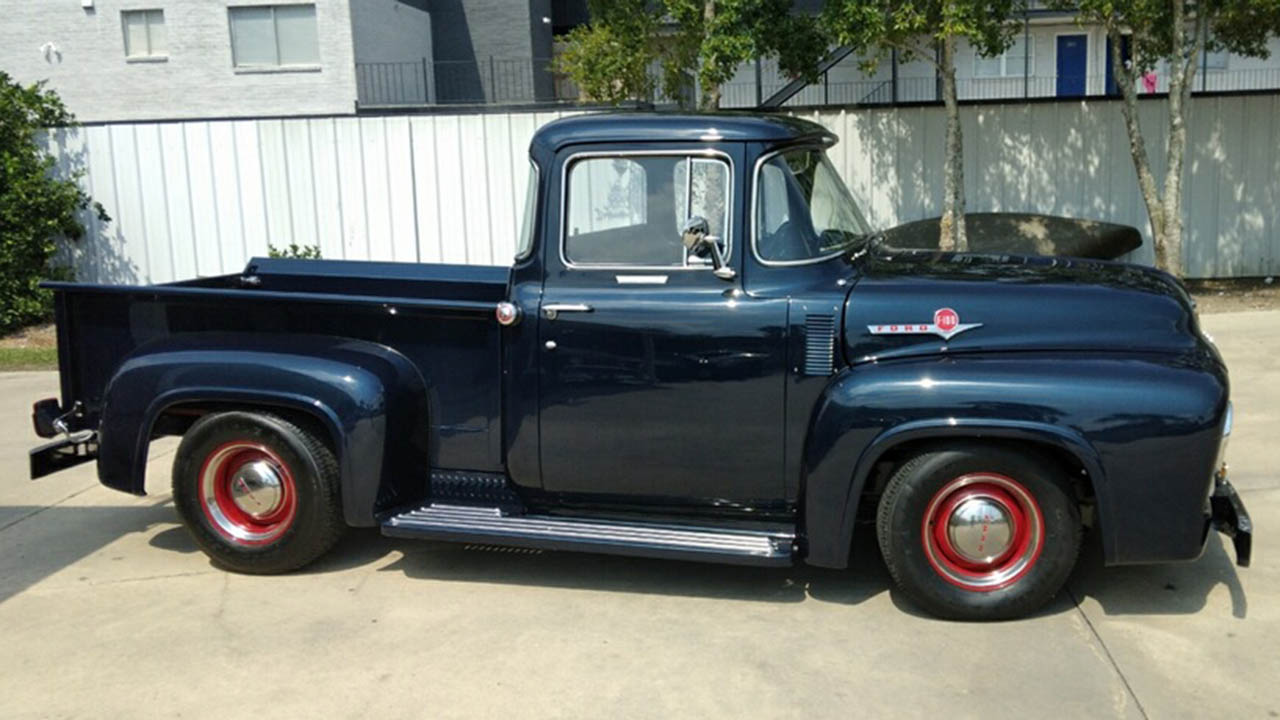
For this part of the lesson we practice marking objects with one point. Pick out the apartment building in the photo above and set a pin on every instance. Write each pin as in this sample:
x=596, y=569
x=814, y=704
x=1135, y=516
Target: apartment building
x=116, y=60
x=1054, y=55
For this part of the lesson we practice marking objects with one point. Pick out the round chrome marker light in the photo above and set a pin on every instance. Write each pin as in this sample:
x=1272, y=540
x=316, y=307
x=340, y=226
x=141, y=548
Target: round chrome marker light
x=507, y=313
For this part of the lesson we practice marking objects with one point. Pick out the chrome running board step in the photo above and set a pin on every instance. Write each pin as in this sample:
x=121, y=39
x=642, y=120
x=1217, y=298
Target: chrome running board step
x=461, y=523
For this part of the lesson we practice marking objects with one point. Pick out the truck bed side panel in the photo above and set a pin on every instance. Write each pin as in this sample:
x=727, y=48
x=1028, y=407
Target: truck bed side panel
x=453, y=341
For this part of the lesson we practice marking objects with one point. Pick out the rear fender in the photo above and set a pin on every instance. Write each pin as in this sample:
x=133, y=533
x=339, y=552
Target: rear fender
x=363, y=395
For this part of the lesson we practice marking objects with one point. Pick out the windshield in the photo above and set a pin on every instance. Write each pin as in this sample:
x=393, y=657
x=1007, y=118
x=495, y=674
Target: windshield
x=803, y=209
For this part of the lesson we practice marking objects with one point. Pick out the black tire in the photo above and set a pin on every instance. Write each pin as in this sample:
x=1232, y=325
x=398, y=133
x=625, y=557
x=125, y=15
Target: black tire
x=305, y=519
x=920, y=556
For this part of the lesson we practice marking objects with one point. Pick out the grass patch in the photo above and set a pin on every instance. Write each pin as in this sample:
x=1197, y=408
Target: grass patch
x=28, y=358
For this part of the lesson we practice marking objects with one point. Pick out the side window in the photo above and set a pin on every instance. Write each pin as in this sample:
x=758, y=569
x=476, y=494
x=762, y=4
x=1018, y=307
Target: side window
x=775, y=206
x=530, y=213
x=628, y=210
x=707, y=194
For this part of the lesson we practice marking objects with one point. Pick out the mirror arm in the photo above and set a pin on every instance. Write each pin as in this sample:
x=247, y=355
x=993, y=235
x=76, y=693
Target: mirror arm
x=695, y=234
x=722, y=270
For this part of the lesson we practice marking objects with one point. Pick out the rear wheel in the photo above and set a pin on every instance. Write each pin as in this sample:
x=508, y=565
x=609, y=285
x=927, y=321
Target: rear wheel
x=258, y=493
x=978, y=533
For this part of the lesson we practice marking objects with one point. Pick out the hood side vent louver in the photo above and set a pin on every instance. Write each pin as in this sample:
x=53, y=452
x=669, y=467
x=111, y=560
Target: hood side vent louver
x=819, y=344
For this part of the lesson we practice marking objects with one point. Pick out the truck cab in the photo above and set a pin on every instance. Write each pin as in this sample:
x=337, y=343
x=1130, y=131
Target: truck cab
x=701, y=351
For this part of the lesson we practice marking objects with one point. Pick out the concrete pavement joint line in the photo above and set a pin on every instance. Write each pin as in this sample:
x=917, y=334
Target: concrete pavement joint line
x=1101, y=643
x=33, y=513
x=162, y=576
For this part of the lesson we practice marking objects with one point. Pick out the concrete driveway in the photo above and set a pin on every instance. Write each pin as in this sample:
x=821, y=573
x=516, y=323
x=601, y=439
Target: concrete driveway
x=108, y=610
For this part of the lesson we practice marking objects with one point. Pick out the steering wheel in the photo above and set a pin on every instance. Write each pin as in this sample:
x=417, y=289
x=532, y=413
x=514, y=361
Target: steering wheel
x=788, y=242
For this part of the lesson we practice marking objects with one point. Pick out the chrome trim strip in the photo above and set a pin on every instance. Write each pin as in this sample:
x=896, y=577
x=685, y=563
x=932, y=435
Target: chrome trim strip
x=567, y=165
x=641, y=279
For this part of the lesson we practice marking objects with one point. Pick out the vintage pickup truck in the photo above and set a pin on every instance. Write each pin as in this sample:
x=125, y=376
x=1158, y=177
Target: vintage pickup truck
x=702, y=352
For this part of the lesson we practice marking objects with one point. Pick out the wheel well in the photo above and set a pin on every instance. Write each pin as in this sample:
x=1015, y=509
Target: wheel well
x=1073, y=470
x=178, y=418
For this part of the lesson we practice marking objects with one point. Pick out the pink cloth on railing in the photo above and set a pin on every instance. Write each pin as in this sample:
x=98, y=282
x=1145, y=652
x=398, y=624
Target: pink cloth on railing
x=1149, y=82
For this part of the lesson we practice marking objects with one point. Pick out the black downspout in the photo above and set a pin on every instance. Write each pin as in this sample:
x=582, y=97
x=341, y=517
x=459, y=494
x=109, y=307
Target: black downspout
x=937, y=73
x=1026, y=56
x=1204, y=61
x=759, y=85
x=894, y=77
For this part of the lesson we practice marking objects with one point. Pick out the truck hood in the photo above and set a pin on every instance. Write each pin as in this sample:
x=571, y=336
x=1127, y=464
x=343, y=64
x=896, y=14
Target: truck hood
x=919, y=302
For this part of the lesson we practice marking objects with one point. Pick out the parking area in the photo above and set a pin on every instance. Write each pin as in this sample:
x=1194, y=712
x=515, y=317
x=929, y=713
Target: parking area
x=107, y=609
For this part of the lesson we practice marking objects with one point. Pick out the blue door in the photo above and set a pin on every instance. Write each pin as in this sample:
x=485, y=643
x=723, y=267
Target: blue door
x=1073, y=58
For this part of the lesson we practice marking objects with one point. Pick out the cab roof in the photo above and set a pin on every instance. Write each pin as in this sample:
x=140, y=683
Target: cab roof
x=650, y=127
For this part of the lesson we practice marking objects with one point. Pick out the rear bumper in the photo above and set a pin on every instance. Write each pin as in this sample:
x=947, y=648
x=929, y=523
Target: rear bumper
x=64, y=453
x=1230, y=518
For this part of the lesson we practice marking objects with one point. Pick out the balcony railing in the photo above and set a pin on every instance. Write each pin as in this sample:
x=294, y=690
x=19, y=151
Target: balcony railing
x=494, y=81
x=516, y=81
x=433, y=82
x=864, y=92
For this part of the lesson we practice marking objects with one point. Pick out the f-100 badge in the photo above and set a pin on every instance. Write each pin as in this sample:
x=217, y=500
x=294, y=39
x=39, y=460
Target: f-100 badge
x=946, y=324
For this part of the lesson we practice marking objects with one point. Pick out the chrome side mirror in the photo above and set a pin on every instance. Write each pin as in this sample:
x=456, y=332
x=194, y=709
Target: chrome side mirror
x=694, y=235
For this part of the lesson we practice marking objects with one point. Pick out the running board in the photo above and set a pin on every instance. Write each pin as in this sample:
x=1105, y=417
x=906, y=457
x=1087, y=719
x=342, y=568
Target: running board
x=460, y=523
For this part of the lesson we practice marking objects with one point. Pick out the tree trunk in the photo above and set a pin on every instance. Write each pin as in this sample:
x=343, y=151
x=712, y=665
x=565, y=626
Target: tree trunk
x=1147, y=185
x=1164, y=204
x=1183, y=72
x=951, y=228
x=710, y=99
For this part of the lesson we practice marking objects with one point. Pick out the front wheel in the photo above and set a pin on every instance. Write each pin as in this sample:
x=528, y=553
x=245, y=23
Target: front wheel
x=974, y=532
x=258, y=493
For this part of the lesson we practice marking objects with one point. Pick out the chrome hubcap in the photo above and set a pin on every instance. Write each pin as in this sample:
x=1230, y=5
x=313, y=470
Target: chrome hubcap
x=980, y=529
x=257, y=489
x=247, y=493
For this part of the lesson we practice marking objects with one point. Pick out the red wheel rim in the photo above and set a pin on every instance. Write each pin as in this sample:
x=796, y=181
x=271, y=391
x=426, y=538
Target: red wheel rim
x=247, y=493
x=982, y=531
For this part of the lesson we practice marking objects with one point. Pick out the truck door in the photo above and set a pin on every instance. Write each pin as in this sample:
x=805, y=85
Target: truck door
x=660, y=382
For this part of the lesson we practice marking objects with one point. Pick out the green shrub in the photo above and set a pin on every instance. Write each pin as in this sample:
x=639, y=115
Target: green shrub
x=37, y=210
x=294, y=250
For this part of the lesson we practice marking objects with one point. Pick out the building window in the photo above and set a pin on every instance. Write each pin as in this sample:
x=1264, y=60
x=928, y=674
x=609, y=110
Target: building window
x=1010, y=63
x=1216, y=59
x=274, y=36
x=144, y=35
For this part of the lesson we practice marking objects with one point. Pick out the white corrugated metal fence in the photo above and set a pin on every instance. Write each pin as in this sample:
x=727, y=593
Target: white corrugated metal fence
x=200, y=198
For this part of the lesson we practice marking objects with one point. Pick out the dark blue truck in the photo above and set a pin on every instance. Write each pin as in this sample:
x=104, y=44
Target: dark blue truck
x=701, y=352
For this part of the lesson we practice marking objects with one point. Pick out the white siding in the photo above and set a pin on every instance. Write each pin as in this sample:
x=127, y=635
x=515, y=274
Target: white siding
x=80, y=52
x=200, y=198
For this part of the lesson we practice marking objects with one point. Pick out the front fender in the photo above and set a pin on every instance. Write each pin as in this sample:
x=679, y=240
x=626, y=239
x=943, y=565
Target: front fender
x=1145, y=429
x=362, y=393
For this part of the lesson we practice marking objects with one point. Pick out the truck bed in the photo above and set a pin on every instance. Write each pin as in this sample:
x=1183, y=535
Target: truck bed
x=438, y=316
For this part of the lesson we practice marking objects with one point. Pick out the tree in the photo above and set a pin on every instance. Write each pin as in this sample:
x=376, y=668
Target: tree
x=701, y=42
x=1177, y=33
x=609, y=58
x=36, y=209
x=928, y=30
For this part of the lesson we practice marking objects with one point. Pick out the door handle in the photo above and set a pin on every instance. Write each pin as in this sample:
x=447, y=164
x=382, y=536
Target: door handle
x=551, y=310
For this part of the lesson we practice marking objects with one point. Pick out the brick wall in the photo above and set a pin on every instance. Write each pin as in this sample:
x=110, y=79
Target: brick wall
x=89, y=69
